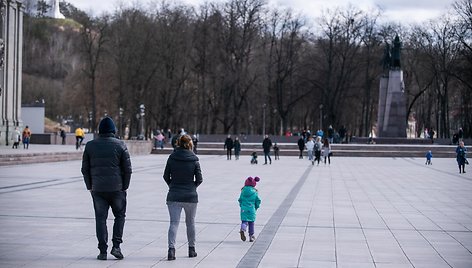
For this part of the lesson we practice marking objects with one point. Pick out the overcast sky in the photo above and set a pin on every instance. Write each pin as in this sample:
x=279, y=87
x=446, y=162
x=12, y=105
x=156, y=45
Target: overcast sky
x=408, y=11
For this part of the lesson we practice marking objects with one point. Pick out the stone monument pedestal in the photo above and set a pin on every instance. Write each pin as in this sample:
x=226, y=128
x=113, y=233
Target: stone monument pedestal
x=391, y=120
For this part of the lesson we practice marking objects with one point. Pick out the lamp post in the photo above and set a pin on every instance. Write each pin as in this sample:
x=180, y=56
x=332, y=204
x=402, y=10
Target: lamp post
x=90, y=121
x=121, y=110
x=263, y=119
x=321, y=116
x=141, y=120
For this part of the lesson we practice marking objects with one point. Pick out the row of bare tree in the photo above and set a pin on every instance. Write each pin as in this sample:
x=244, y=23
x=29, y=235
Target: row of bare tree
x=240, y=66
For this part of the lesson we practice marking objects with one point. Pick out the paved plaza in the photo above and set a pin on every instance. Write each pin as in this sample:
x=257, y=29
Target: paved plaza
x=356, y=212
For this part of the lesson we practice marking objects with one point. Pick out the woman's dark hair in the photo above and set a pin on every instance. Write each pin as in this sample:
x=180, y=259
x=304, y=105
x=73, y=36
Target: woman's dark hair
x=185, y=141
x=326, y=142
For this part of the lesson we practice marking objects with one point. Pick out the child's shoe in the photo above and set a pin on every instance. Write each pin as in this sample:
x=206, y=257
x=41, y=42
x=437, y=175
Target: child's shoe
x=243, y=236
x=252, y=238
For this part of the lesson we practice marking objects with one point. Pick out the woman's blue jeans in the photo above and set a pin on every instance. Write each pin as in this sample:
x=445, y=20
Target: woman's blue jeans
x=175, y=209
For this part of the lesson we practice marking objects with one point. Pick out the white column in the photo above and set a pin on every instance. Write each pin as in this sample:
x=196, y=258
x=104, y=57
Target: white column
x=12, y=34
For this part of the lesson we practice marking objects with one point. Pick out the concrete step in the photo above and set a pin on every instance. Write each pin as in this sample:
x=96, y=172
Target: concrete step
x=353, y=151
x=19, y=159
x=384, y=147
x=286, y=149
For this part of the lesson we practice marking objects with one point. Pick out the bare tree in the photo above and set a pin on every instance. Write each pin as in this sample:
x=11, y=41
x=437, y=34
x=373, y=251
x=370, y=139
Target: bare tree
x=284, y=40
x=94, y=35
x=369, y=58
x=441, y=53
x=463, y=9
x=242, y=23
x=337, y=62
x=173, y=47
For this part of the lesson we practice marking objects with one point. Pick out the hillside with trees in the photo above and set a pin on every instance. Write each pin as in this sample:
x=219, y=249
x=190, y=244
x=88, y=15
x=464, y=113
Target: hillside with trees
x=239, y=66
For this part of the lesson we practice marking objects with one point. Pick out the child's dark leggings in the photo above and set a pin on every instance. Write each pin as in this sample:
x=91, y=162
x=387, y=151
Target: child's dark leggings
x=244, y=225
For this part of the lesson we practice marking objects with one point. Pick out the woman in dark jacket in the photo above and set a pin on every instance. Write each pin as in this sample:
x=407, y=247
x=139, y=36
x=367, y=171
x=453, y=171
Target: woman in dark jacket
x=237, y=148
x=183, y=175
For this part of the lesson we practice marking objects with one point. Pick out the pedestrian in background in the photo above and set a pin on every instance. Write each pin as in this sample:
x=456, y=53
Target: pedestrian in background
x=266, y=145
x=195, y=143
x=461, y=156
x=183, y=175
x=160, y=140
x=310, y=145
x=176, y=137
x=26, y=135
x=106, y=167
x=431, y=134
x=318, y=146
x=429, y=156
x=276, y=151
x=63, y=136
x=237, y=148
x=79, y=138
x=460, y=134
x=327, y=151
x=301, y=147
x=229, y=144
x=16, y=138
x=330, y=134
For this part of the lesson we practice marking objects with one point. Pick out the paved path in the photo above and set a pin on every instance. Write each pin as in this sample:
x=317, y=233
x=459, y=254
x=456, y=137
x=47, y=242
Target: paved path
x=357, y=212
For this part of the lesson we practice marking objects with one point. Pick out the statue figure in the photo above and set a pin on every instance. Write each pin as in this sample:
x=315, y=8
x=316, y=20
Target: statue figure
x=54, y=12
x=396, y=53
x=387, y=59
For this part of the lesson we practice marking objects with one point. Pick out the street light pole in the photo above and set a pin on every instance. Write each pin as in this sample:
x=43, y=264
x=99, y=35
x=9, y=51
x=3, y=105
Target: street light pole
x=321, y=116
x=141, y=114
x=263, y=119
x=90, y=121
x=121, y=110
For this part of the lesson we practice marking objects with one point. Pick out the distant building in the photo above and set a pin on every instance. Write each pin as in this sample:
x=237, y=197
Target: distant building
x=33, y=116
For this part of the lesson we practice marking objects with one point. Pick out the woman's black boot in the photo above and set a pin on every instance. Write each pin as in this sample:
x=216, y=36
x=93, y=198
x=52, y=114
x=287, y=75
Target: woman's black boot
x=191, y=252
x=171, y=254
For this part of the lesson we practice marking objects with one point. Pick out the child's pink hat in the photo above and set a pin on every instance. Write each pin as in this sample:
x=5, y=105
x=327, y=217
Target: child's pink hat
x=251, y=181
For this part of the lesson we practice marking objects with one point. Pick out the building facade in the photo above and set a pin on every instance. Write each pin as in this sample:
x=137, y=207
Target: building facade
x=11, y=45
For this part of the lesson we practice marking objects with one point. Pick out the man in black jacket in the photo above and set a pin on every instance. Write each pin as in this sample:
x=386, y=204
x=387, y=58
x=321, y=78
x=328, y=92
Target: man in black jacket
x=229, y=144
x=266, y=145
x=106, y=168
x=301, y=146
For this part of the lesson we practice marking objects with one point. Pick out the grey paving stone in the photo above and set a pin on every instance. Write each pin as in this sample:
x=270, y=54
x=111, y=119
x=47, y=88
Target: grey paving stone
x=357, y=212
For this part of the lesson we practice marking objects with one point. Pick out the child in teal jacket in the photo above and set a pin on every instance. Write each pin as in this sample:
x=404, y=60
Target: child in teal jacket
x=249, y=202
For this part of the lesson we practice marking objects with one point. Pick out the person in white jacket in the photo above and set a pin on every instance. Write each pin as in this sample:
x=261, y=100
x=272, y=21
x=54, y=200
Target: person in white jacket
x=318, y=147
x=310, y=145
x=16, y=138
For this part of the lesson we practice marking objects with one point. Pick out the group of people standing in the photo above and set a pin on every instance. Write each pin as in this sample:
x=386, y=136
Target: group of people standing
x=235, y=144
x=24, y=136
x=231, y=144
x=315, y=149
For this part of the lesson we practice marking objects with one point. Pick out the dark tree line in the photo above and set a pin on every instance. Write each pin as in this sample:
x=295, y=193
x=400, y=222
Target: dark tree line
x=239, y=67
